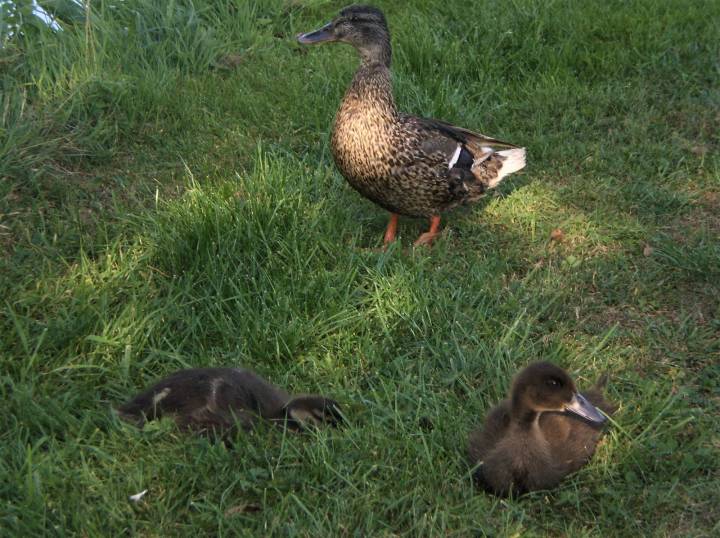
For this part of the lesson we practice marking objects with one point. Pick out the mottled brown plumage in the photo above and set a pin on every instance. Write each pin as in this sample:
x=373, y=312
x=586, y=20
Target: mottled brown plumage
x=409, y=165
x=216, y=400
x=542, y=433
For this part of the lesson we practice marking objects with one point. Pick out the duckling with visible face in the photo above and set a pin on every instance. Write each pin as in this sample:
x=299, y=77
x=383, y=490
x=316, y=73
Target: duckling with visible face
x=413, y=166
x=215, y=400
x=543, y=432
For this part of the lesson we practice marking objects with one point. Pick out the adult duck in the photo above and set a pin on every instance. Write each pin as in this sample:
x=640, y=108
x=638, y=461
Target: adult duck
x=215, y=400
x=411, y=166
x=543, y=432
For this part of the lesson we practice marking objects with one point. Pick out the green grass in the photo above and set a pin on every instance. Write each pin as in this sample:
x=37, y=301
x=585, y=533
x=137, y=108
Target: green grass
x=167, y=199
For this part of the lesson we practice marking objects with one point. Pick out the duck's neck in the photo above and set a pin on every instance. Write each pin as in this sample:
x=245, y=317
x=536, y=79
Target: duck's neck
x=523, y=415
x=527, y=418
x=379, y=52
x=371, y=87
x=372, y=79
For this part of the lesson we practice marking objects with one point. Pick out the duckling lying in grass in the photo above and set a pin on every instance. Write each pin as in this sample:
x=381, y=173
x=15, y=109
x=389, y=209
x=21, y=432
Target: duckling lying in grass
x=543, y=432
x=215, y=400
x=409, y=165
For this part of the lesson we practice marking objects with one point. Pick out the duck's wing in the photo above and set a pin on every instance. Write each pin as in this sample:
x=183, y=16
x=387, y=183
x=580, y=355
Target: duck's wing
x=464, y=154
x=475, y=142
x=198, y=399
x=179, y=393
x=485, y=438
x=460, y=146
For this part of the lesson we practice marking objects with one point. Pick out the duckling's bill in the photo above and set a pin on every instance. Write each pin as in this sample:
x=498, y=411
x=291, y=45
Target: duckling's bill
x=583, y=408
x=318, y=36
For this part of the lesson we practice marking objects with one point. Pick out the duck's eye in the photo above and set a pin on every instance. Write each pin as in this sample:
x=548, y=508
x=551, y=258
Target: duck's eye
x=554, y=383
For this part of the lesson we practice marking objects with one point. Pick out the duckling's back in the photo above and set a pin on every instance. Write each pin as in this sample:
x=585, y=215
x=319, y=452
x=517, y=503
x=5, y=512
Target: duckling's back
x=483, y=439
x=207, y=398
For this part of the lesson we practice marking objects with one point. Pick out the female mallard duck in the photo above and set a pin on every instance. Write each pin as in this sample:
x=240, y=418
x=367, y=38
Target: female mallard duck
x=411, y=166
x=543, y=432
x=217, y=399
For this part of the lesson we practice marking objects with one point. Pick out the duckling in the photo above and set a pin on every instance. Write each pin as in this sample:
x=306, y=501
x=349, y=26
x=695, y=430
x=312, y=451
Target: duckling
x=543, y=432
x=409, y=165
x=214, y=400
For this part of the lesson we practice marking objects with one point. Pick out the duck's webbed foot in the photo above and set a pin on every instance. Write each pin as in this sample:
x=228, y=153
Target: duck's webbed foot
x=312, y=411
x=428, y=237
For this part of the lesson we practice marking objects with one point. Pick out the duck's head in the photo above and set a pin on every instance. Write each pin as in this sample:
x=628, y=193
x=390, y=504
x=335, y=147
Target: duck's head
x=542, y=387
x=303, y=412
x=363, y=27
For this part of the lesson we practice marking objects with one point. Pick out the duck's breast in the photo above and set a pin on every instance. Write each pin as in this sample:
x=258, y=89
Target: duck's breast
x=572, y=440
x=362, y=141
x=382, y=160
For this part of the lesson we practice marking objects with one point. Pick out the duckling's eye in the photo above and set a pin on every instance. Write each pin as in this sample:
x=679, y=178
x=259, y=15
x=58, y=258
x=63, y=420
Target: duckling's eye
x=554, y=383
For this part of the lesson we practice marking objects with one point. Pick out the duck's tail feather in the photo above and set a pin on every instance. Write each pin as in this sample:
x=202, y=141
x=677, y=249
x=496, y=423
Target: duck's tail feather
x=512, y=161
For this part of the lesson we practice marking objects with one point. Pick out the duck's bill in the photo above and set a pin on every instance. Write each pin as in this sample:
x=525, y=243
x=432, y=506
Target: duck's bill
x=581, y=407
x=318, y=36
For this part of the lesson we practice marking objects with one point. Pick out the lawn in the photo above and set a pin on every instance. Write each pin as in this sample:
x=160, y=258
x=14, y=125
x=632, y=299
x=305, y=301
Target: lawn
x=168, y=199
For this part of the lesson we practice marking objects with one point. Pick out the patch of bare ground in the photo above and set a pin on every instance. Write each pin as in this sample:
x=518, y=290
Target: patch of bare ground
x=705, y=214
x=685, y=302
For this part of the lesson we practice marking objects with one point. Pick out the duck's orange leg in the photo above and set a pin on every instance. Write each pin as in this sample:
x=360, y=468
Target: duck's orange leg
x=428, y=237
x=391, y=229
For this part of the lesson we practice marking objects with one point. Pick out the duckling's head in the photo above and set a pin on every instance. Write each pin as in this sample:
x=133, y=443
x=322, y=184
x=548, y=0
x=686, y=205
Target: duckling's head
x=311, y=411
x=363, y=27
x=542, y=386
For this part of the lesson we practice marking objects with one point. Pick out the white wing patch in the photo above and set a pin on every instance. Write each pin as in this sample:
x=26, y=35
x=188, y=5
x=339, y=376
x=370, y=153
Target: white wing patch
x=160, y=396
x=455, y=156
x=215, y=384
